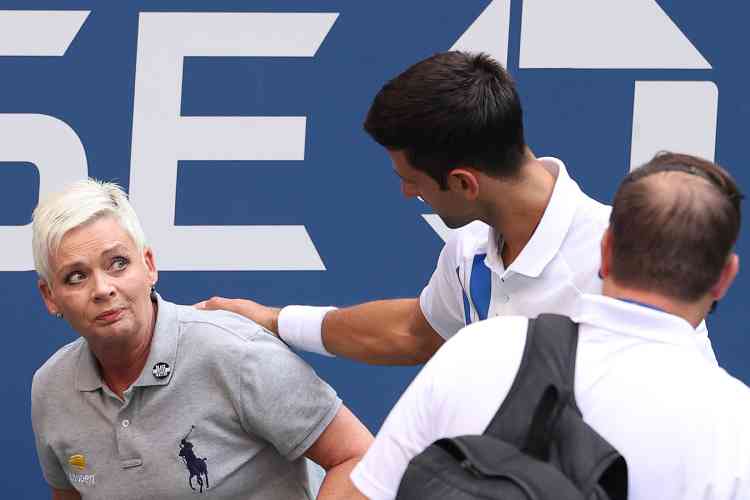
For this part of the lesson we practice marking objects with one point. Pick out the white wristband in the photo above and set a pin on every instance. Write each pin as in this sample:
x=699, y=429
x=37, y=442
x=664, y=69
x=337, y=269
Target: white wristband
x=301, y=327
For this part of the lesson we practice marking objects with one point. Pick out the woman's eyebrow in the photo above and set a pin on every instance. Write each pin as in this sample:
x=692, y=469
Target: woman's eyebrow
x=116, y=248
x=71, y=265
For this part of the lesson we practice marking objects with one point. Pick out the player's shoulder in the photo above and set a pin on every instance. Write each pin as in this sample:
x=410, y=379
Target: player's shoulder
x=583, y=238
x=590, y=214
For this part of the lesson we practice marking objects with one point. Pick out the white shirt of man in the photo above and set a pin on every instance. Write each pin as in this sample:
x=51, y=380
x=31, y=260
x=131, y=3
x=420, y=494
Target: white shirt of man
x=642, y=381
x=559, y=263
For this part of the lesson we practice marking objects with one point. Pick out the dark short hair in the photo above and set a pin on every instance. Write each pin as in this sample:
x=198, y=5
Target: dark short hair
x=674, y=223
x=452, y=109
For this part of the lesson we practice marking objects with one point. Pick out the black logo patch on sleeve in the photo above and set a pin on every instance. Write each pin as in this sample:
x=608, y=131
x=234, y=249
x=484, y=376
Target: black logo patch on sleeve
x=196, y=466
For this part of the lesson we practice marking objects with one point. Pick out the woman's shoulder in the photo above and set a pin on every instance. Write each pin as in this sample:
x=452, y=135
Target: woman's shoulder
x=223, y=341
x=217, y=327
x=60, y=366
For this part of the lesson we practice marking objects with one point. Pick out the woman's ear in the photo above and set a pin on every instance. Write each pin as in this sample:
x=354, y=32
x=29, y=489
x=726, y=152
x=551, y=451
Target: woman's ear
x=150, y=261
x=48, y=297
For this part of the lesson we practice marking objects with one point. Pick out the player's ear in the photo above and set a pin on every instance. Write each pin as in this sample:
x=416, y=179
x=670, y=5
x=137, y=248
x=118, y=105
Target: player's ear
x=464, y=181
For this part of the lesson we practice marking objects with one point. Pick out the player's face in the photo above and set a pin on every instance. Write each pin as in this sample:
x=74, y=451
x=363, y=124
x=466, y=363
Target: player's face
x=101, y=282
x=448, y=205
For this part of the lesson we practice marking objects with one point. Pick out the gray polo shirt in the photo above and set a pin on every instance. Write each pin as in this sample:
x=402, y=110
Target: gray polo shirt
x=219, y=402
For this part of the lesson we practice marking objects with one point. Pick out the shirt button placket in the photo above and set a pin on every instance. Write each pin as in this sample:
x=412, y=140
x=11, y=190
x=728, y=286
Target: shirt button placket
x=501, y=296
x=129, y=455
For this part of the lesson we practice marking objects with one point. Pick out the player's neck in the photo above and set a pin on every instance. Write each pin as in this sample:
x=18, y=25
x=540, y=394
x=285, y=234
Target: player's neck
x=515, y=207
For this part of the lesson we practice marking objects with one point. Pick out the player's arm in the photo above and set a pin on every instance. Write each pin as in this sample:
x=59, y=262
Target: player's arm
x=384, y=332
x=65, y=494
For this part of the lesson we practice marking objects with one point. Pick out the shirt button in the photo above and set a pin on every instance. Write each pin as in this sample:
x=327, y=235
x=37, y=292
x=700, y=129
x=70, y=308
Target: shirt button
x=505, y=299
x=125, y=423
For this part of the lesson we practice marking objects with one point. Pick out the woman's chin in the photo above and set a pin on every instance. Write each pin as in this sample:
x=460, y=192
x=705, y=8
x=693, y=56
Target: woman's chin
x=118, y=330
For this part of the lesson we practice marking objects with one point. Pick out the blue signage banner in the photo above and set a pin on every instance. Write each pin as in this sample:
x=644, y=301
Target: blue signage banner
x=236, y=129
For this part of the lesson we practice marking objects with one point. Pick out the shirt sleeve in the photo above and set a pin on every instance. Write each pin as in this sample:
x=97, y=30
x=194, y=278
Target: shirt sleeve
x=282, y=399
x=442, y=299
x=51, y=467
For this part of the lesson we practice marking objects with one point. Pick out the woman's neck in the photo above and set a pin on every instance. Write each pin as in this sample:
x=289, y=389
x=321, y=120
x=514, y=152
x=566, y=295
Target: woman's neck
x=121, y=363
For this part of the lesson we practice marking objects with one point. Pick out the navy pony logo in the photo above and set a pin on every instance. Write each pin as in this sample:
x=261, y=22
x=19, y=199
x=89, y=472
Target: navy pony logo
x=196, y=466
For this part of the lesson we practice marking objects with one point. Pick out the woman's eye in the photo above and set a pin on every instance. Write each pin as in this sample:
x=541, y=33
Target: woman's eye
x=75, y=278
x=119, y=263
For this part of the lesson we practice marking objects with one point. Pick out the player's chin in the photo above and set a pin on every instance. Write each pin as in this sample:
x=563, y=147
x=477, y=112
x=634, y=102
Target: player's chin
x=453, y=222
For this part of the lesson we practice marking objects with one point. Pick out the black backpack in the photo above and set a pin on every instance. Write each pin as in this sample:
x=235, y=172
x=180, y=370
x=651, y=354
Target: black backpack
x=537, y=445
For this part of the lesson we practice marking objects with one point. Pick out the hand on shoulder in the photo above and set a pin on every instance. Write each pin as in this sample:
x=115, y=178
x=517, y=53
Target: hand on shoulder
x=267, y=317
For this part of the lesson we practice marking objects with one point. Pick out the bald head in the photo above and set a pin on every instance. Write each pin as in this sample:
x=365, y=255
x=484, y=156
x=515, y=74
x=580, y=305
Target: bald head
x=674, y=222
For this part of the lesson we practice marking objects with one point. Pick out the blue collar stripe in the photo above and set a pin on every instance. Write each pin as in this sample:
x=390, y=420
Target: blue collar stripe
x=480, y=286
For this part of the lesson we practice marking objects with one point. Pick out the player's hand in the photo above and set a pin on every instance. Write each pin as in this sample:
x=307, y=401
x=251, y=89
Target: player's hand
x=267, y=317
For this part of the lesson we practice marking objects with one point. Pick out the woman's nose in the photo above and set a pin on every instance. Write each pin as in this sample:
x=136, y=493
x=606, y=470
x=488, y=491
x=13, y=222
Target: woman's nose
x=103, y=286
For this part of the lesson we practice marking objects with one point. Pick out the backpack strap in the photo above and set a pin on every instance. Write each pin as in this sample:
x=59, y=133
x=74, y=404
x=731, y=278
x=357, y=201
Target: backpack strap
x=544, y=423
x=540, y=415
x=548, y=360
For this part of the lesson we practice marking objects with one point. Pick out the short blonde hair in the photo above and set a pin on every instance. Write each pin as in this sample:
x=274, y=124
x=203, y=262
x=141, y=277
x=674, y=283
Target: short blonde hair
x=78, y=204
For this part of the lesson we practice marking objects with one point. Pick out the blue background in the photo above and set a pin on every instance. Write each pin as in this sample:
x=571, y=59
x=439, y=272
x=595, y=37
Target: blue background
x=373, y=242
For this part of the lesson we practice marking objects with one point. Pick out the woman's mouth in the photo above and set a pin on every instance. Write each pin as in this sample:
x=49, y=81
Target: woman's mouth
x=110, y=316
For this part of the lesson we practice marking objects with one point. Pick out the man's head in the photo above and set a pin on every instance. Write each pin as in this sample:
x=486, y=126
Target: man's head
x=673, y=227
x=451, y=111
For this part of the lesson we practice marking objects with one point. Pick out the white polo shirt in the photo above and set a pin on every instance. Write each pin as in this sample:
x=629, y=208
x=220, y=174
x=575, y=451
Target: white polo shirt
x=642, y=381
x=559, y=263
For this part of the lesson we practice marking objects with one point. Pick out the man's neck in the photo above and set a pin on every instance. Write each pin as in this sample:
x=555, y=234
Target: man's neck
x=693, y=313
x=515, y=207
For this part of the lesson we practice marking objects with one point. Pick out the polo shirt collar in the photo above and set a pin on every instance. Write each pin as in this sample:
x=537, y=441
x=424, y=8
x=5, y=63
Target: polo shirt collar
x=163, y=350
x=636, y=320
x=88, y=378
x=163, y=345
x=549, y=235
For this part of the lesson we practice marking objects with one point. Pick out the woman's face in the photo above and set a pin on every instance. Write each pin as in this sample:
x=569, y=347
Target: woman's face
x=101, y=283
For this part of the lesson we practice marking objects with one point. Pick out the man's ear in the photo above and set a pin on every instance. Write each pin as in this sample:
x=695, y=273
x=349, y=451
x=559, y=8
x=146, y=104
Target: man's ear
x=464, y=181
x=606, y=254
x=728, y=273
x=48, y=297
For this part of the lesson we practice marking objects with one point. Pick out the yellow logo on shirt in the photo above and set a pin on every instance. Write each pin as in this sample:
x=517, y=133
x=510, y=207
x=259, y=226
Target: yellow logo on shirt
x=78, y=462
